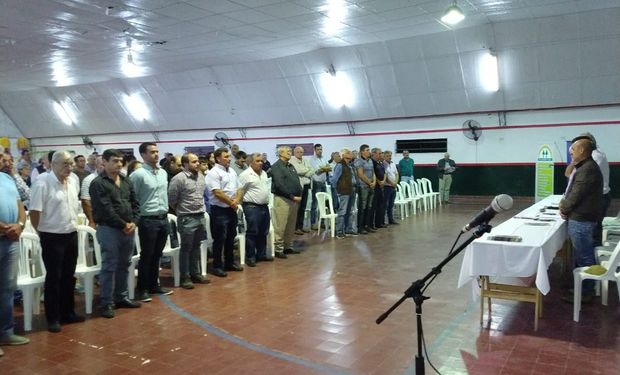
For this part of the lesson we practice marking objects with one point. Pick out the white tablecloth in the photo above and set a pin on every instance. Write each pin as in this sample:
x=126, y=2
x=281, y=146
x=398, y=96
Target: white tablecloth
x=543, y=233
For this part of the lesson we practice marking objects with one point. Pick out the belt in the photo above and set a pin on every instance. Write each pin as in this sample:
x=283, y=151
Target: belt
x=192, y=214
x=155, y=217
x=250, y=204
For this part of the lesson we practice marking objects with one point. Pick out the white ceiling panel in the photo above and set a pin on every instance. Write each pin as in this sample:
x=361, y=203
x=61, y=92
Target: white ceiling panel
x=560, y=93
x=559, y=61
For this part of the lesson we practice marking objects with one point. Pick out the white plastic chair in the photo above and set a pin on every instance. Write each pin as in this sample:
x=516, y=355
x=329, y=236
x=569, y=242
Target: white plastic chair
x=206, y=244
x=428, y=189
x=133, y=264
x=611, y=274
x=419, y=189
x=83, y=271
x=30, y=275
x=174, y=253
x=401, y=203
x=409, y=194
x=321, y=198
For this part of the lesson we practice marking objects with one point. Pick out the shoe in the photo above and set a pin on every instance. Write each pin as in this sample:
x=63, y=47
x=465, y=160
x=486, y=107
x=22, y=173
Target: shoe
x=351, y=233
x=299, y=232
x=281, y=255
x=394, y=223
x=371, y=229
x=219, y=272
x=72, y=318
x=187, y=284
x=106, y=311
x=199, y=279
x=314, y=227
x=290, y=250
x=126, y=303
x=161, y=291
x=266, y=259
x=53, y=327
x=382, y=226
x=250, y=263
x=569, y=298
x=363, y=231
x=13, y=340
x=305, y=230
x=340, y=236
x=143, y=296
x=234, y=267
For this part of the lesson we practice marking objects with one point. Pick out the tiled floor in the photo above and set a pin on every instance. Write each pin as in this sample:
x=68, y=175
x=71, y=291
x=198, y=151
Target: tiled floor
x=314, y=313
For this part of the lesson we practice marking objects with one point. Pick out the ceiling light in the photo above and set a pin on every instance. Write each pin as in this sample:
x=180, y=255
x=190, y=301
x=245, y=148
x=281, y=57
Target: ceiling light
x=63, y=114
x=136, y=106
x=337, y=88
x=489, y=73
x=453, y=15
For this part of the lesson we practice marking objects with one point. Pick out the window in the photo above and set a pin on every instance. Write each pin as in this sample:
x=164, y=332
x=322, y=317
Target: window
x=418, y=146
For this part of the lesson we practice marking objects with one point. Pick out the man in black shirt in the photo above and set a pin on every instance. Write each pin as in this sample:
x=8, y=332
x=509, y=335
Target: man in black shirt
x=115, y=210
x=379, y=200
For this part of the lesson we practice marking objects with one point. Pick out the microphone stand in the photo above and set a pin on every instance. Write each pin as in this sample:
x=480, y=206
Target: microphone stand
x=416, y=291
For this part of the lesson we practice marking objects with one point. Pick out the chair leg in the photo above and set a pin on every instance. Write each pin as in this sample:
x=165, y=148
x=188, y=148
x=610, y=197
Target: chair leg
x=89, y=284
x=576, y=297
x=176, y=269
x=28, y=301
x=203, y=258
x=242, y=249
x=36, y=300
x=332, y=224
x=604, y=291
x=131, y=281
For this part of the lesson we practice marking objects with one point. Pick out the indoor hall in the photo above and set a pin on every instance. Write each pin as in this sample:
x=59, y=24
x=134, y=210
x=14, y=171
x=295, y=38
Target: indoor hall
x=314, y=313
x=502, y=86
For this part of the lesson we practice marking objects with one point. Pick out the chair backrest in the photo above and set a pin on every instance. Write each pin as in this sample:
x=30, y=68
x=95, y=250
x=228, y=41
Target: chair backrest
x=613, y=263
x=30, y=264
x=428, y=184
x=172, y=219
x=421, y=187
x=83, y=233
x=321, y=199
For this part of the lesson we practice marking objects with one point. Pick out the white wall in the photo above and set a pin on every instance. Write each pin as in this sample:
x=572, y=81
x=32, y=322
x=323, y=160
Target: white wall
x=509, y=144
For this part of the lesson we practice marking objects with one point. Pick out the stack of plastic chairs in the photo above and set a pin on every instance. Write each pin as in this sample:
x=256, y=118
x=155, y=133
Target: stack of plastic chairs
x=30, y=275
x=86, y=270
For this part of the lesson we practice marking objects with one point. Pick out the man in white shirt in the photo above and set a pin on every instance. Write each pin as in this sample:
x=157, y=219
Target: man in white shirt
x=224, y=201
x=389, y=189
x=255, y=192
x=54, y=208
x=321, y=168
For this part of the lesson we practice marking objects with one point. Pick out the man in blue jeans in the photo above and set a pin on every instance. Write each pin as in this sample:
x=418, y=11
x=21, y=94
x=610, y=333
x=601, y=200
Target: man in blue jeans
x=581, y=206
x=116, y=212
x=150, y=184
x=12, y=220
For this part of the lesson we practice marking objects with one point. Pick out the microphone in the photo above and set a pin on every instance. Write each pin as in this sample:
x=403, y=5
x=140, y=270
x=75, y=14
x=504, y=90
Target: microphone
x=502, y=202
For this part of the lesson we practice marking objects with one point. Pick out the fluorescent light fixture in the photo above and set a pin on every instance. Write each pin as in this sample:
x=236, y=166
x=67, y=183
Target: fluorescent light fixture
x=489, y=72
x=453, y=15
x=338, y=89
x=335, y=12
x=136, y=106
x=63, y=114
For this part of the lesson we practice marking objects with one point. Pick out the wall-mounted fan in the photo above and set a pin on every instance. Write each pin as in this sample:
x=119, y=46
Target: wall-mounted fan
x=472, y=129
x=88, y=143
x=221, y=139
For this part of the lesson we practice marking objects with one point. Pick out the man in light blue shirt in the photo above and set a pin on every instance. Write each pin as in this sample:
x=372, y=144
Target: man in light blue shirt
x=150, y=184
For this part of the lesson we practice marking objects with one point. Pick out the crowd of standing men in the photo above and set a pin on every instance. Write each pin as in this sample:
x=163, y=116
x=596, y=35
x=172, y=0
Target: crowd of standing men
x=126, y=202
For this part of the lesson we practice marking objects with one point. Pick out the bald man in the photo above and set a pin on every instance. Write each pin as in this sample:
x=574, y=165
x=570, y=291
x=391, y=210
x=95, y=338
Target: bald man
x=581, y=206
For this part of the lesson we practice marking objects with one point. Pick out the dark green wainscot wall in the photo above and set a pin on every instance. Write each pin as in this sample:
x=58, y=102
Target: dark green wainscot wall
x=515, y=180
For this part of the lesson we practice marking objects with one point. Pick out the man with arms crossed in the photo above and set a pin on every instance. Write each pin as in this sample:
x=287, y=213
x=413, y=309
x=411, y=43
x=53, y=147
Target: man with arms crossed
x=116, y=212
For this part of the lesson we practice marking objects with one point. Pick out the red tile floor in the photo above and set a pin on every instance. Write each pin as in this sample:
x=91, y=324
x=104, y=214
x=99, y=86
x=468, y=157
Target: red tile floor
x=314, y=313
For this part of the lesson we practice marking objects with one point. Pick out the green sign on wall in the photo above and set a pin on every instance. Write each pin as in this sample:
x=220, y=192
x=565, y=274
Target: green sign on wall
x=544, y=173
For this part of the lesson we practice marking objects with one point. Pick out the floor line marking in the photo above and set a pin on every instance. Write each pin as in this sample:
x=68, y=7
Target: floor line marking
x=249, y=345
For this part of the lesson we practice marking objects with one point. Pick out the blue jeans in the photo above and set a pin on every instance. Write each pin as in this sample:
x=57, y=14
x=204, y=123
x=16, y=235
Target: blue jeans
x=344, y=213
x=116, y=253
x=580, y=233
x=224, y=230
x=193, y=230
x=316, y=187
x=257, y=218
x=153, y=236
x=9, y=255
